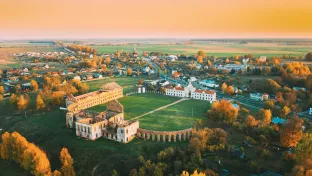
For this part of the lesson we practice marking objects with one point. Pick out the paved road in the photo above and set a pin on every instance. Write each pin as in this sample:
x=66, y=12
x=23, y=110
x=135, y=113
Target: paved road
x=152, y=63
x=158, y=109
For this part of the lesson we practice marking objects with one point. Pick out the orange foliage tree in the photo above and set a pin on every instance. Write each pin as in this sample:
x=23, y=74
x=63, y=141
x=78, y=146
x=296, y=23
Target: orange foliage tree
x=67, y=163
x=291, y=132
x=223, y=110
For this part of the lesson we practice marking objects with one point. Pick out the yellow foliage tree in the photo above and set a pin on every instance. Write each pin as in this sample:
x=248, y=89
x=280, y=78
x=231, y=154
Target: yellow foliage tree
x=129, y=71
x=5, y=146
x=230, y=90
x=22, y=103
x=13, y=99
x=67, y=163
x=265, y=116
x=251, y=122
x=223, y=110
x=185, y=173
x=304, y=156
x=200, y=59
x=34, y=85
x=224, y=87
x=291, y=132
x=39, y=102
x=1, y=90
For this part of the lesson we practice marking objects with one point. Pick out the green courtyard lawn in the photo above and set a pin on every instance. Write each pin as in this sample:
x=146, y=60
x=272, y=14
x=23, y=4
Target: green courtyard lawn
x=176, y=117
x=138, y=104
x=47, y=130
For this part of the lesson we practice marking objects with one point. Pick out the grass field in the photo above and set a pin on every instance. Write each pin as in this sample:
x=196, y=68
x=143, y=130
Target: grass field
x=139, y=104
x=127, y=83
x=48, y=131
x=175, y=117
x=217, y=49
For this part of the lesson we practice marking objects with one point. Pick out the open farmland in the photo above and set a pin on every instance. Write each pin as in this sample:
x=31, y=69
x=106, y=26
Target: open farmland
x=215, y=49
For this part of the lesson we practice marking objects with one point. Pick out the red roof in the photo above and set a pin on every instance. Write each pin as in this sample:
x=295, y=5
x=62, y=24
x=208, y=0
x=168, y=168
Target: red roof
x=176, y=88
x=205, y=91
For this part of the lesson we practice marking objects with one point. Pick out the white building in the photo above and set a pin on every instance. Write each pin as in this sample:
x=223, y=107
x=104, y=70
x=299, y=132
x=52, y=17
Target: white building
x=209, y=83
x=230, y=67
x=77, y=78
x=259, y=96
x=172, y=58
x=180, y=91
x=262, y=58
x=207, y=95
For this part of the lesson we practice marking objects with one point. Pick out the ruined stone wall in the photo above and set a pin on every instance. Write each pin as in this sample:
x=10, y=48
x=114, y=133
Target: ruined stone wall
x=165, y=136
x=90, y=101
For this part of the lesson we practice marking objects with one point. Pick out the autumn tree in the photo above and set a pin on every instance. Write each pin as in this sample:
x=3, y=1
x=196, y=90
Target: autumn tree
x=34, y=85
x=39, y=102
x=269, y=104
x=224, y=87
x=22, y=103
x=229, y=90
x=107, y=60
x=209, y=63
x=13, y=99
x=223, y=110
x=129, y=71
x=201, y=53
x=303, y=156
x=140, y=81
x=1, y=90
x=67, y=163
x=199, y=140
x=2, y=98
x=251, y=122
x=266, y=116
x=5, y=147
x=308, y=56
x=29, y=156
x=58, y=97
x=291, y=132
x=200, y=59
x=176, y=74
x=285, y=111
x=185, y=173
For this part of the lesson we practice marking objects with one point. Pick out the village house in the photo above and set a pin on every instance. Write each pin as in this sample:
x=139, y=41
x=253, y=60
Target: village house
x=259, y=96
x=207, y=95
x=209, y=83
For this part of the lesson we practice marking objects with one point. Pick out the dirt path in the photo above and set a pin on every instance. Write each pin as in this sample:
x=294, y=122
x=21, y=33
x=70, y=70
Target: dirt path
x=158, y=109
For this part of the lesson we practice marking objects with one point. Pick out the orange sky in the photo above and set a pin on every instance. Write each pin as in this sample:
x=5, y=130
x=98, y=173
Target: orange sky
x=155, y=18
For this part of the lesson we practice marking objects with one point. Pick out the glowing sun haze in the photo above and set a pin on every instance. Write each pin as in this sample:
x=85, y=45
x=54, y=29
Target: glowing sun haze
x=155, y=18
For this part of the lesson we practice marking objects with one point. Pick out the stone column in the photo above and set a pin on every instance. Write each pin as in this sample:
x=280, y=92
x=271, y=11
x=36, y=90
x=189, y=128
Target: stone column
x=164, y=138
x=143, y=135
x=169, y=138
x=180, y=137
x=184, y=134
x=153, y=137
x=158, y=137
x=174, y=138
x=188, y=135
x=148, y=136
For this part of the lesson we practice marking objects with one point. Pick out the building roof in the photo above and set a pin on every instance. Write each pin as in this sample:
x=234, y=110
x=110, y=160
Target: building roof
x=205, y=91
x=277, y=120
x=176, y=88
x=110, y=86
